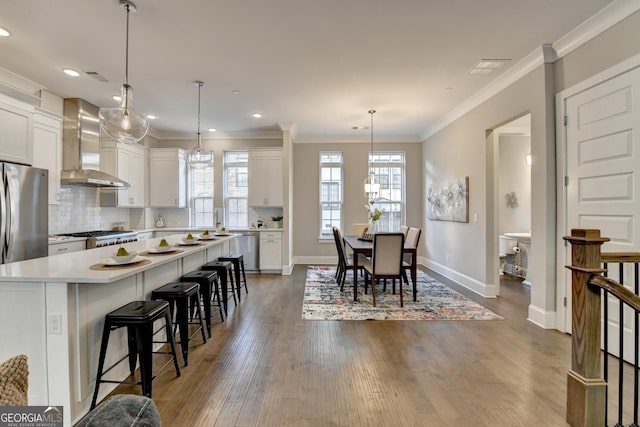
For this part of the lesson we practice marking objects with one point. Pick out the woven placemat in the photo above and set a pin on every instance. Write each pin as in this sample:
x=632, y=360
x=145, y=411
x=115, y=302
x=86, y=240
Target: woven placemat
x=103, y=267
x=173, y=252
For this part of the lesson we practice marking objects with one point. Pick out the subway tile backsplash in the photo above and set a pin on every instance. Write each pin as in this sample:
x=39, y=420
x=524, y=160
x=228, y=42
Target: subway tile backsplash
x=80, y=210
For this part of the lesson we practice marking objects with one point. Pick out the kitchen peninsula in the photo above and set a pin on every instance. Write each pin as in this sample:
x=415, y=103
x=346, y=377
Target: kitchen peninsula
x=52, y=309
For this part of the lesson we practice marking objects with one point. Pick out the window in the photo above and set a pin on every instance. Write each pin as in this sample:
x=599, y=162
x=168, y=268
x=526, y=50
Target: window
x=201, y=190
x=389, y=169
x=330, y=193
x=236, y=188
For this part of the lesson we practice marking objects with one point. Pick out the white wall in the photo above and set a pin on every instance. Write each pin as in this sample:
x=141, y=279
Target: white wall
x=514, y=176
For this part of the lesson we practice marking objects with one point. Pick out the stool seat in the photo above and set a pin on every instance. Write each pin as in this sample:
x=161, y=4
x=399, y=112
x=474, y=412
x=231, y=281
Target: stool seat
x=138, y=317
x=179, y=294
x=225, y=273
x=238, y=265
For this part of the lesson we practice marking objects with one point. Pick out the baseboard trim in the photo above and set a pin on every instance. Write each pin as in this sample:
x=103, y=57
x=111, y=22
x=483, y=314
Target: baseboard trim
x=315, y=260
x=482, y=289
x=542, y=318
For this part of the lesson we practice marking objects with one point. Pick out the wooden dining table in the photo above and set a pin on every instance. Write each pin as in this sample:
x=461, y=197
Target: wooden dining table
x=365, y=247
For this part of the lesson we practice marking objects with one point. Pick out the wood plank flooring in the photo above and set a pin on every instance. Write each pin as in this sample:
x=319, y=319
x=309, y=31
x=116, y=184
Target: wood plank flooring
x=265, y=366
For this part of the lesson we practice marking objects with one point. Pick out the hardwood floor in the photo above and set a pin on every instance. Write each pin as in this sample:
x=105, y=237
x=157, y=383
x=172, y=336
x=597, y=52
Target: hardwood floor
x=265, y=366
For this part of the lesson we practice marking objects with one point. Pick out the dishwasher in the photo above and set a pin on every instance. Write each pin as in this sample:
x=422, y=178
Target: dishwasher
x=248, y=244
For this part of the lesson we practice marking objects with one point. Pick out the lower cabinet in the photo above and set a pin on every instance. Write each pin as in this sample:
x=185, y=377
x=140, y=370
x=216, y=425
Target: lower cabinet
x=271, y=251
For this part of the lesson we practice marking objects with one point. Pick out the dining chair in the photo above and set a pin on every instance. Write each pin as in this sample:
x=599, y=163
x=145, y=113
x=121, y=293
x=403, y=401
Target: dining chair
x=386, y=261
x=404, y=229
x=345, y=262
x=358, y=228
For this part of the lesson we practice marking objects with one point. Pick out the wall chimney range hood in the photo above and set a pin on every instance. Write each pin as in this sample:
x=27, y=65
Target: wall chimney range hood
x=81, y=147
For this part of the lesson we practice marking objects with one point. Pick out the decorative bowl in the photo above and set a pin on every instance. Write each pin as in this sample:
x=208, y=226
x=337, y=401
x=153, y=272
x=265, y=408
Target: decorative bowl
x=124, y=258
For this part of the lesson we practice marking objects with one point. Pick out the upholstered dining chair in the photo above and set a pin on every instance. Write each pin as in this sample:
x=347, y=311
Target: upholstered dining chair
x=404, y=230
x=413, y=238
x=358, y=228
x=345, y=263
x=386, y=261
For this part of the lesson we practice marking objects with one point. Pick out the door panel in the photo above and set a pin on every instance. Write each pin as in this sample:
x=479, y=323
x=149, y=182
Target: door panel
x=603, y=167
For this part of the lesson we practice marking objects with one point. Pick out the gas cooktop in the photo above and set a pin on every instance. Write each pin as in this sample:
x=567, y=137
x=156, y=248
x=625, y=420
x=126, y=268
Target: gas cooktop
x=99, y=233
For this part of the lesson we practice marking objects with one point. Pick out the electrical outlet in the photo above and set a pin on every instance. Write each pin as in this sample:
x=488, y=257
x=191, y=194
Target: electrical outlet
x=448, y=259
x=54, y=324
x=475, y=217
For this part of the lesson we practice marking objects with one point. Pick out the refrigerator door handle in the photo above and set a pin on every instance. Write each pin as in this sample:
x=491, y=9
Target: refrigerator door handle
x=10, y=214
x=3, y=218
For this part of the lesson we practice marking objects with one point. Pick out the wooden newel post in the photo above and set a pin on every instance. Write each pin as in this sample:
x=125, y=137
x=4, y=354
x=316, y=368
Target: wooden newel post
x=586, y=390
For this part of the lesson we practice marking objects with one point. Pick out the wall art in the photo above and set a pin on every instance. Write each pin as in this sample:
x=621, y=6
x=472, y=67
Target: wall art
x=449, y=201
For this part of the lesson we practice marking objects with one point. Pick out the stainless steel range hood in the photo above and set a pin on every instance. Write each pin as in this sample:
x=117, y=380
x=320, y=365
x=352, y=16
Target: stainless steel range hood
x=81, y=147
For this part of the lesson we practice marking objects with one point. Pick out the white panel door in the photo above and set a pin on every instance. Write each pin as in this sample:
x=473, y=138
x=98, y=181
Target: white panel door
x=603, y=168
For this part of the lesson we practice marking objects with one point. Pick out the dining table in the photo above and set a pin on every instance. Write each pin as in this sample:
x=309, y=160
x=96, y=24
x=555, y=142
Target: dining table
x=365, y=247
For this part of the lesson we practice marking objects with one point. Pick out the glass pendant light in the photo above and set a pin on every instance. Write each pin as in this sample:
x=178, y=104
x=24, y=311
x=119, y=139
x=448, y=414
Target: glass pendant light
x=123, y=123
x=371, y=185
x=198, y=157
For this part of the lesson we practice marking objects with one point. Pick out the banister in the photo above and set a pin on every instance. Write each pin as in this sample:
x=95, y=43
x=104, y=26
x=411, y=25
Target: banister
x=620, y=256
x=622, y=293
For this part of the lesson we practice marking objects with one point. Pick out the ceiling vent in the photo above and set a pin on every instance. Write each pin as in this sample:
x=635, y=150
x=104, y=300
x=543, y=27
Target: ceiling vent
x=487, y=66
x=97, y=76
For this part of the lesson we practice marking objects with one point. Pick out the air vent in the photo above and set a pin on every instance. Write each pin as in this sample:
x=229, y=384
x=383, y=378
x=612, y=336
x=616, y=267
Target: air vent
x=97, y=76
x=486, y=66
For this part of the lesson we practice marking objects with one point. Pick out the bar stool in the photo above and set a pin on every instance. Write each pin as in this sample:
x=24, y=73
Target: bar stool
x=178, y=295
x=224, y=270
x=209, y=289
x=238, y=265
x=138, y=317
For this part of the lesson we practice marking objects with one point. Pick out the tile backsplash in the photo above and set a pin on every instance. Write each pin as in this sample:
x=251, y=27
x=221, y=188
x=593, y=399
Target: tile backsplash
x=80, y=210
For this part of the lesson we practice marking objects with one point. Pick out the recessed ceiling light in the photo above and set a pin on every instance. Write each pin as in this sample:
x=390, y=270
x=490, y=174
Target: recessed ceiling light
x=212, y=129
x=486, y=66
x=235, y=91
x=256, y=115
x=4, y=32
x=117, y=98
x=448, y=88
x=70, y=72
x=151, y=116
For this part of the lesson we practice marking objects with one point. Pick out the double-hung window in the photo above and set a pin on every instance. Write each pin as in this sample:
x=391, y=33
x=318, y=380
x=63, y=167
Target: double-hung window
x=330, y=193
x=389, y=168
x=201, y=190
x=236, y=188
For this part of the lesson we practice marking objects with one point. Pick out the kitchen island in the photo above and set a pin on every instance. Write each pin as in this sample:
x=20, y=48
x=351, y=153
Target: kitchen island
x=52, y=309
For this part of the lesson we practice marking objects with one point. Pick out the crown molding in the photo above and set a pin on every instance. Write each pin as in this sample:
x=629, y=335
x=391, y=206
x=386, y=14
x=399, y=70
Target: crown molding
x=592, y=27
x=210, y=136
x=357, y=139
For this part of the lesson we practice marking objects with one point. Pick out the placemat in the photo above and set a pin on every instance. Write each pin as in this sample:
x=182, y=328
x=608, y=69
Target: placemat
x=103, y=267
x=173, y=252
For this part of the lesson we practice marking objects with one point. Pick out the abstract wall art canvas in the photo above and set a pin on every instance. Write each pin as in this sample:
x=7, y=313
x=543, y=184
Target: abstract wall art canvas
x=449, y=201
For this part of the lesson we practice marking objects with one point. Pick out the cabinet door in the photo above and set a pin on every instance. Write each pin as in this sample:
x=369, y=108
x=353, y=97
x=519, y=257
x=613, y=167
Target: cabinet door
x=273, y=181
x=167, y=175
x=16, y=128
x=270, y=251
x=65, y=248
x=47, y=152
x=136, y=179
x=257, y=185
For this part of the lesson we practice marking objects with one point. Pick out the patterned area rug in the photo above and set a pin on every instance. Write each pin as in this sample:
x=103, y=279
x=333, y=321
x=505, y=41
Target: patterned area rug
x=324, y=301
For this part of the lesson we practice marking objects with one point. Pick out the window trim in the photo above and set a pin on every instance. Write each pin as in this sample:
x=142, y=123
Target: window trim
x=403, y=166
x=225, y=196
x=322, y=165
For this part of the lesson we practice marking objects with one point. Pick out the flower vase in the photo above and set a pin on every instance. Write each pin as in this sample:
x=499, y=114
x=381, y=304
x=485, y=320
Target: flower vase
x=373, y=227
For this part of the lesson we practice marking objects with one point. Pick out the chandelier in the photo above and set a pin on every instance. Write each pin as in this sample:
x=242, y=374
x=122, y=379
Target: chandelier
x=197, y=157
x=371, y=185
x=123, y=123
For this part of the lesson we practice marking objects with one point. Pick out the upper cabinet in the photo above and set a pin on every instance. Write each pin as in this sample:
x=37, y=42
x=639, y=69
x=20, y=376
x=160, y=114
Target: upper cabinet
x=265, y=178
x=47, y=149
x=16, y=131
x=167, y=178
x=126, y=161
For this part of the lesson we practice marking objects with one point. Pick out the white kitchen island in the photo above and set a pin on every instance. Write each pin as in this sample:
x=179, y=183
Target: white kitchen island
x=52, y=309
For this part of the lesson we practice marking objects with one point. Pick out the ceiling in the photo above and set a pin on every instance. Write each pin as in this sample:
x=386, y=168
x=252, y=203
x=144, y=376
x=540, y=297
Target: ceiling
x=318, y=64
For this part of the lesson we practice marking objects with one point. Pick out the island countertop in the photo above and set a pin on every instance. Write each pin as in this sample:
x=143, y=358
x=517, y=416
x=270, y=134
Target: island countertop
x=75, y=267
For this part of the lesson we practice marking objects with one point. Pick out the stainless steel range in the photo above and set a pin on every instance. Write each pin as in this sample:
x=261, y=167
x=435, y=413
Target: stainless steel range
x=98, y=239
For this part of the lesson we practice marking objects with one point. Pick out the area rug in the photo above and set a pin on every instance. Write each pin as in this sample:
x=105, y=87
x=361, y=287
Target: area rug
x=436, y=301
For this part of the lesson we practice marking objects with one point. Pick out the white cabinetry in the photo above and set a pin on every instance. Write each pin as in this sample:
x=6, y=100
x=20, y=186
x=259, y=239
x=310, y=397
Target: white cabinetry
x=145, y=235
x=47, y=150
x=126, y=161
x=270, y=251
x=58, y=248
x=265, y=178
x=16, y=128
x=167, y=178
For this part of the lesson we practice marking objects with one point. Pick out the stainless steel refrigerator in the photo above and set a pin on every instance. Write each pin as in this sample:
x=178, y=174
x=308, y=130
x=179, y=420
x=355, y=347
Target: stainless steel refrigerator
x=24, y=222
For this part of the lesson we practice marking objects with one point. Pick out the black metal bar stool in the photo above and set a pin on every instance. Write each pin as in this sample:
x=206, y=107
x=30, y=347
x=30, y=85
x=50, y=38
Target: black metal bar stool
x=238, y=266
x=225, y=273
x=138, y=317
x=209, y=289
x=178, y=295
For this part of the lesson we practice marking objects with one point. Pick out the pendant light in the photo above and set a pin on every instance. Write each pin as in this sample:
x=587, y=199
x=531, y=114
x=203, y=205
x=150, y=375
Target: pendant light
x=197, y=157
x=371, y=185
x=123, y=123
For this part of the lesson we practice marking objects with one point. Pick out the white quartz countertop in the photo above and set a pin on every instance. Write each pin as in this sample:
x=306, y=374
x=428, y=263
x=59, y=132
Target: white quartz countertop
x=74, y=267
x=54, y=240
x=188, y=229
